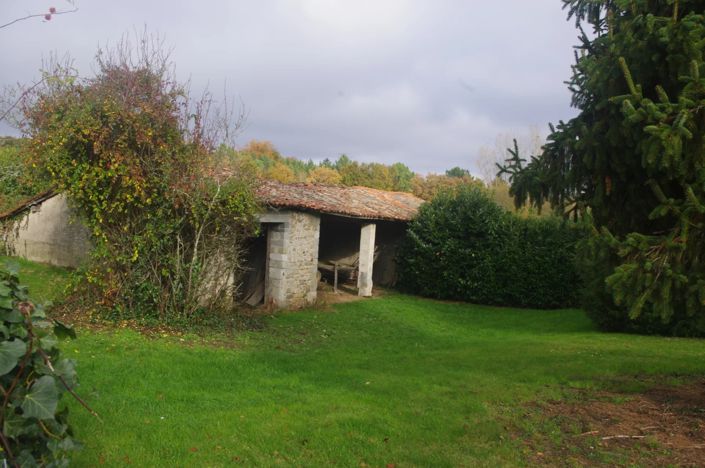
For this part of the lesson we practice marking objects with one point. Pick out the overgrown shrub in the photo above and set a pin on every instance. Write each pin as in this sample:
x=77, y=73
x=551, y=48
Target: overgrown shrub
x=33, y=377
x=18, y=179
x=135, y=155
x=464, y=246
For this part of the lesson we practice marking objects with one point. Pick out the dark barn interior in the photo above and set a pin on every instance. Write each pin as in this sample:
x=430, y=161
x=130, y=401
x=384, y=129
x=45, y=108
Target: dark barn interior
x=340, y=243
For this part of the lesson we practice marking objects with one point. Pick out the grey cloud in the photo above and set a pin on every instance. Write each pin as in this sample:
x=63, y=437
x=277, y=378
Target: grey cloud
x=423, y=82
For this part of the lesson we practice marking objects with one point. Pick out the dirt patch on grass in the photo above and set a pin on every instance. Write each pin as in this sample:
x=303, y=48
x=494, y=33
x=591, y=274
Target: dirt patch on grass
x=346, y=293
x=662, y=426
x=327, y=298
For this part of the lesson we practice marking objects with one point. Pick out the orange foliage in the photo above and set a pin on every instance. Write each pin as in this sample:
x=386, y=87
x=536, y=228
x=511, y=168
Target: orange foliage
x=431, y=185
x=281, y=173
x=324, y=175
x=262, y=148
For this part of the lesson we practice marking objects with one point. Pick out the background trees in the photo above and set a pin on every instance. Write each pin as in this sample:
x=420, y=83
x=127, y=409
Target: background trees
x=633, y=161
x=268, y=163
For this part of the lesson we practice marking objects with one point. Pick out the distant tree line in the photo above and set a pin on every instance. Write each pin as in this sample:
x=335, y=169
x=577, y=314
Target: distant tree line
x=21, y=180
x=267, y=162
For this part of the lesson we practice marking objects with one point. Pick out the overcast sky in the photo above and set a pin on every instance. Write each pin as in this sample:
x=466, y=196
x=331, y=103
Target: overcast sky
x=424, y=82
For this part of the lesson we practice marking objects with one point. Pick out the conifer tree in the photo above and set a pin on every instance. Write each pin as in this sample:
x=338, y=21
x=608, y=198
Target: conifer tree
x=633, y=161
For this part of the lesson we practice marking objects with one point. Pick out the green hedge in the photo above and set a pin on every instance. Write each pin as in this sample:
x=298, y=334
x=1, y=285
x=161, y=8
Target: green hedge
x=464, y=246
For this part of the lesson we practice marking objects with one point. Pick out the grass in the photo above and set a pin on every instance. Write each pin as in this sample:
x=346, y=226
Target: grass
x=46, y=283
x=395, y=380
x=390, y=381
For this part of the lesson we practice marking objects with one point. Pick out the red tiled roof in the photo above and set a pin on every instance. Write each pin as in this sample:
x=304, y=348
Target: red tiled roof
x=356, y=202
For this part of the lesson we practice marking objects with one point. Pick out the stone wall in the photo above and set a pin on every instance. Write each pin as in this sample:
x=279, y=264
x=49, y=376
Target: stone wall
x=48, y=233
x=292, y=260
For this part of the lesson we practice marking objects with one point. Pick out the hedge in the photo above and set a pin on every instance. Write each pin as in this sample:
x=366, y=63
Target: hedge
x=463, y=246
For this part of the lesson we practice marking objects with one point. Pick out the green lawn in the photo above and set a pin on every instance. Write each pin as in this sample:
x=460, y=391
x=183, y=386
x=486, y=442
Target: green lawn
x=46, y=283
x=390, y=381
x=394, y=380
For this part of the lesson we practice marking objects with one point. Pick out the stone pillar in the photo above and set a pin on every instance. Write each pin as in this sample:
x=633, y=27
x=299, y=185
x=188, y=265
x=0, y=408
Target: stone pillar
x=367, y=259
x=302, y=275
x=292, y=259
x=277, y=262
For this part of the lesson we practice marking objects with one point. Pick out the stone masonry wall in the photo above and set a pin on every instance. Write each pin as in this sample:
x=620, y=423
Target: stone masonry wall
x=292, y=262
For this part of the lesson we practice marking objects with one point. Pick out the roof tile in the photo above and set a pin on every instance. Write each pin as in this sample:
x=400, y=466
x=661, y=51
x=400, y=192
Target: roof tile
x=356, y=202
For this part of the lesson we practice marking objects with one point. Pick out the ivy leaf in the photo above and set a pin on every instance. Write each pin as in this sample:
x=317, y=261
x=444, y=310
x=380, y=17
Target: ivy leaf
x=41, y=400
x=66, y=368
x=55, y=426
x=25, y=458
x=22, y=293
x=15, y=425
x=4, y=289
x=6, y=303
x=12, y=268
x=10, y=354
x=18, y=330
x=39, y=312
x=64, y=331
x=49, y=342
x=12, y=315
x=64, y=445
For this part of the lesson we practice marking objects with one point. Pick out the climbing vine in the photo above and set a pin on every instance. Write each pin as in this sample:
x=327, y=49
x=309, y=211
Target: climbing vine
x=135, y=155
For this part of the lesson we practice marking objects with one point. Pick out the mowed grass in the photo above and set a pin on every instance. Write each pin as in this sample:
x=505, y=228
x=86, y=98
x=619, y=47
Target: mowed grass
x=395, y=380
x=46, y=283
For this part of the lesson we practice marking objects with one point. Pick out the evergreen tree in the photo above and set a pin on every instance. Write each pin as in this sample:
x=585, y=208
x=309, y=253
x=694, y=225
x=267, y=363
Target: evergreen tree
x=634, y=161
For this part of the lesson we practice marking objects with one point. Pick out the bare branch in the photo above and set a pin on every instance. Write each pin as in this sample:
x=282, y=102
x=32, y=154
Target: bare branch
x=23, y=95
x=47, y=16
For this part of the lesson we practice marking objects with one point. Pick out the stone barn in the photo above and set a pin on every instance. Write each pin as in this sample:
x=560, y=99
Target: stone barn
x=309, y=232
x=43, y=229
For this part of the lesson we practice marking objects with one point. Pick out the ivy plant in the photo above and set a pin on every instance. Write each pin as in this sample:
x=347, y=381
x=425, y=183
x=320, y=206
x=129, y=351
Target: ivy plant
x=33, y=377
x=135, y=155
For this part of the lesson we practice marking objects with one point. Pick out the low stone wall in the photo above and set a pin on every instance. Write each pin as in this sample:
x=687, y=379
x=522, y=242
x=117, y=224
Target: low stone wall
x=48, y=233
